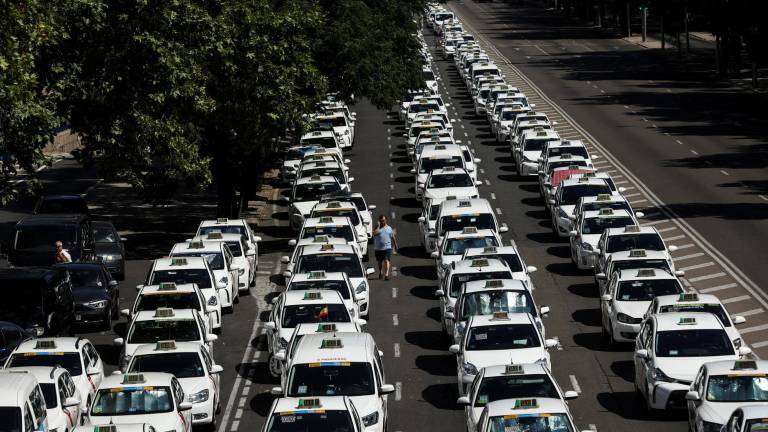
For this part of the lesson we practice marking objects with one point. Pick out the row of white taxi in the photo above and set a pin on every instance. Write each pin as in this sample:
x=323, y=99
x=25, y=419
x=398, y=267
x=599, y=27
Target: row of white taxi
x=168, y=378
x=688, y=353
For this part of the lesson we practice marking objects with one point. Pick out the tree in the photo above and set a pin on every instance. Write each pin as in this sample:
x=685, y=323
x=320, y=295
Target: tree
x=27, y=108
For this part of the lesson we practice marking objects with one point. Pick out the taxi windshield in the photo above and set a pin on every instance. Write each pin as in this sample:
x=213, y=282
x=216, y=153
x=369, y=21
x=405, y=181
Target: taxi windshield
x=181, y=364
x=351, y=213
x=515, y=387
x=693, y=343
x=575, y=151
x=186, y=276
x=755, y=425
x=164, y=299
x=738, y=388
x=715, y=309
x=338, y=173
x=647, y=290
x=450, y=180
x=531, y=423
x=303, y=421
x=314, y=313
x=597, y=225
x=459, y=222
x=338, y=231
x=650, y=241
x=299, y=153
x=182, y=330
x=512, y=260
x=422, y=107
x=457, y=246
x=330, y=262
x=10, y=419
x=215, y=259
x=50, y=395
x=333, y=378
x=132, y=400
x=432, y=163
x=325, y=142
x=535, y=144
x=457, y=280
x=313, y=191
x=508, y=115
x=69, y=361
x=502, y=337
x=488, y=302
x=571, y=194
x=224, y=229
x=433, y=211
x=339, y=286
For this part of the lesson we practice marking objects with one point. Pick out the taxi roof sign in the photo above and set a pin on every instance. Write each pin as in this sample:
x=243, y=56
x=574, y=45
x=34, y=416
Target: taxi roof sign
x=163, y=312
x=317, y=274
x=583, y=179
x=134, y=378
x=490, y=249
x=500, y=316
x=45, y=344
x=105, y=428
x=327, y=247
x=603, y=197
x=513, y=369
x=195, y=245
x=465, y=203
x=494, y=283
x=469, y=230
x=178, y=261
x=321, y=238
x=165, y=345
x=331, y=344
x=646, y=273
x=744, y=364
x=686, y=297
x=632, y=228
x=479, y=263
x=313, y=295
x=566, y=155
x=333, y=204
x=526, y=404
x=326, y=327
x=637, y=253
x=326, y=219
x=605, y=212
x=687, y=321
x=315, y=177
x=221, y=220
x=309, y=403
x=215, y=236
x=167, y=286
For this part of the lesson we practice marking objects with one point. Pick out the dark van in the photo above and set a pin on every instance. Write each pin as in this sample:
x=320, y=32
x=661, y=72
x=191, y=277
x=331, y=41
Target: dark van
x=39, y=300
x=61, y=204
x=33, y=242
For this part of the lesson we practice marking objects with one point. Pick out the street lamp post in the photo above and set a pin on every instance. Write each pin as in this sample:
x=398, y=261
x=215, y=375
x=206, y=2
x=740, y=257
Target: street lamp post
x=644, y=12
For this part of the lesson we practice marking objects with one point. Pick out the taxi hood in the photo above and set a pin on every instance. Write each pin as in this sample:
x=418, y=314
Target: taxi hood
x=304, y=207
x=483, y=359
x=685, y=369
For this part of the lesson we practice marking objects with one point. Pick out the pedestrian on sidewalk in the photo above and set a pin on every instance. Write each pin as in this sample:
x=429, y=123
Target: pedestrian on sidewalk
x=62, y=256
x=384, y=238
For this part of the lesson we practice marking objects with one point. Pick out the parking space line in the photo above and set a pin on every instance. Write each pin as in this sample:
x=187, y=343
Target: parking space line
x=656, y=222
x=750, y=312
x=697, y=266
x=754, y=329
x=685, y=257
x=575, y=384
x=673, y=238
x=718, y=288
x=759, y=344
x=705, y=277
x=735, y=299
x=663, y=230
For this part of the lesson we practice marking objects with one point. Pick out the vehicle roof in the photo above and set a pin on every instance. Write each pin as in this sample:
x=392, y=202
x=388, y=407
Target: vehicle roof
x=223, y=222
x=329, y=163
x=52, y=218
x=181, y=347
x=299, y=297
x=21, y=382
x=203, y=246
x=564, y=143
x=59, y=197
x=440, y=150
x=316, y=249
x=540, y=134
x=449, y=171
x=335, y=220
x=317, y=276
x=289, y=405
x=178, y=314
x=628, y=255
x=304, y=329
x=528, y=369
x=491, y=250
x=507, y=407
x=179, y=288
x=314, y=240
x=465, y=205
x=607, y=198
x=490, y=320
x=316, y=179
x=479, y=265
x=43, y=374
x=356, y=347
x=671, y=321
x=332, y=205
x=579, y=181
x=63, y=344
x=192, y=263
x=495, y=285
x=736, y=367
x=594, y=214
x=672, y=299
x=645, y=274
x=150, y=379
x=224, y=237
x=462, y=234
x=639, y=230
x=566, y=157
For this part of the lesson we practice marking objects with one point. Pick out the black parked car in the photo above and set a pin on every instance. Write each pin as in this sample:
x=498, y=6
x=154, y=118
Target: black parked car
x=37, y=299
x=11, y=336
x=110, y=248
x=34, y=238
x=62, y=204
x=96, y=294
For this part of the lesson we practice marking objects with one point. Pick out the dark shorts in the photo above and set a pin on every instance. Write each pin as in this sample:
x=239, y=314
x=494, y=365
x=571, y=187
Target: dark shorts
x=384, y=254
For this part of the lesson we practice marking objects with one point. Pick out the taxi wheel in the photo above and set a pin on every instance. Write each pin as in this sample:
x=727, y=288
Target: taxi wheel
x=273, y=365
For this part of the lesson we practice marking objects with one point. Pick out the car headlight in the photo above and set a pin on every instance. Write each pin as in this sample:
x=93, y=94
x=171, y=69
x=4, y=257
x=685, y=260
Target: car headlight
x=241, y=271
x=562, y=214
x=737, y=343
x=624, y=318
x=371, y=419
x=586, y=246
x=109, y=257
x=213, y=301
x=710, y=427
x=658, y=375
x=224, y=280
x=361, y=288
x=97, y=304
x=469, y=369
x=283, y=343
x=198, y=397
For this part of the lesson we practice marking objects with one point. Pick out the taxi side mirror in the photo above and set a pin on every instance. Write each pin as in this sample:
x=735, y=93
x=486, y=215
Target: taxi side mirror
x=217, y=369
x=369, y=271
x=91, y=371
x=361, y=322
x=280, y=355
x=439, y=293
x=692, y=395
x=371, y=207
x=550, y=343
x=422, y=219
x=570, y=394
x=125, y=312
x=738, y=319
x=71, y=401
x=503, y=228
x=672, y=248
x=552, y=202
x=454, y=349
x=118, y=341
x=531, y=269
x=544, y=310
x=386, y=389
x=277, y=391
x=285, y=259
x=679, y=273
x=573, y=233
x=449, y=315
x=270, y=325
x=606, y=297
x=462, y=401
x=745, y=351
x=139, y=287
x=600, y=276
x=292, y=242
x=210, y=337
x=185, y=406
x=435, y=254
x=642, y=353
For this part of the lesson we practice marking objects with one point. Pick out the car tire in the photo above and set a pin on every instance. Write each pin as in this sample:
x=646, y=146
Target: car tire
x=107, y=322
x=271, y=365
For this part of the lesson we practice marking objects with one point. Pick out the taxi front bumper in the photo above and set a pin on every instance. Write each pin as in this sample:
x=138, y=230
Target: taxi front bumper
x=529, y=168
x=666, y=395
x=624, y=332
x=204, y=412
x=586, y=260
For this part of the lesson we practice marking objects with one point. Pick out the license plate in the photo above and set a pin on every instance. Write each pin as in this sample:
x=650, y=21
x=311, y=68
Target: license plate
x=78, y=317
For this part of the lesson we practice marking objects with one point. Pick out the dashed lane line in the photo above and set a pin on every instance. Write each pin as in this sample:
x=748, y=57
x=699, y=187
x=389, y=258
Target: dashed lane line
x=718, y=288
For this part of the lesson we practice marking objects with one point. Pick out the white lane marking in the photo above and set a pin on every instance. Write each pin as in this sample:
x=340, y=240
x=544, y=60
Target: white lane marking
x=759, y=344
x=763, y=197
x=724, y=172
x=656, y=222
x=638, y=201
x=673, y=238
x=750, y=312
x=672, y=228
x=685, y=246
x=238, y=413
x=754, y=329
x=626, y=107
x=493, y=195
x=654, y=125
x=695, y=152
x=395, y=320
x=735, y=299
x=679, y=142
x=391, y=187
x=393, y=215
x=396, y=350
x=592, y=427
x=391, y=175
x=697, y=266
x=394, y=292
x=241, y=402
x=685, y=257
x=498, y=211
x=235, y=426
x=398, y=391
x=706, y=277
x=488, y=182
x=621, y=182
x=645, y=119
x=719, y=288
x=574, y=384
x=482, y=171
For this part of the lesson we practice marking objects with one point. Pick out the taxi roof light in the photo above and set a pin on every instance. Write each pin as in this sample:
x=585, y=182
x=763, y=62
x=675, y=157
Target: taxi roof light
x=637, y=253
x=326, y=247
x=331, y=344
x=605, y=211
x=178, y=261
x=469, y=230
x=315, y=177
x=583, y=179
x=195, y=245
x=313, y=295
x=687, y=321
x=465, y=203
x=692, y=296
x=513, y=369
x=479, y=263
x=325, y=219
x=321, y=238
x=333, y=204
x=167, y=286
x=309, y=403
x=500, y=316
x=326, y=327
x=494, y=283
x=646, y=273
x=105, y=428
x=222, y=220
x=744, y=364
x=45, y=344
x=526, y=403
x=490, y=249
x=134, y=378
x=215, y=236
x=632, y=228
x=163, y=312
x=165, y=345
x=317, y=274
x=603, y=197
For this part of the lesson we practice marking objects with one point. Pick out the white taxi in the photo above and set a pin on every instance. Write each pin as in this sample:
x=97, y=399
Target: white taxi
x=345, y=209
x=510, y=381
x=281, y=359
x=511, y=256
x=634, y=259
x=588, y=229
x=326, y=139
x=62, y=400
x=221, y=263
x=156, y=398
x=330, y=226
x=149, y=327
x=449, y=181
x=234, y=226
x=563, y=203
x=363, y=207
x=337, y=414
x=341, y=364
x=527, y=150
x=183, y=271
x=457, y=213
x=747, y=418
x=456, y=242
x=542, y=414
x=627, y=297
x=341, y=126
x=238, y=247
x=76, y=354
x=325, y=167
x=436, y=157
x=334, y=281
x=192, y=365
x=631, y=237
x=498, y=339
x=170, y=295
x=298, y=249
x=306, y=193
x=671, y=348
x=292, y=159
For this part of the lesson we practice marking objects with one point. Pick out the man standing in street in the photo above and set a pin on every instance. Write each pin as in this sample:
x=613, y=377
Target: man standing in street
x=383, y=239
x=62, y=256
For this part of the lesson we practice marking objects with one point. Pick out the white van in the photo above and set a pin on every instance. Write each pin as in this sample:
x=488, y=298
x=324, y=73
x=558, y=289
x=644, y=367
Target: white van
x=22, y=404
